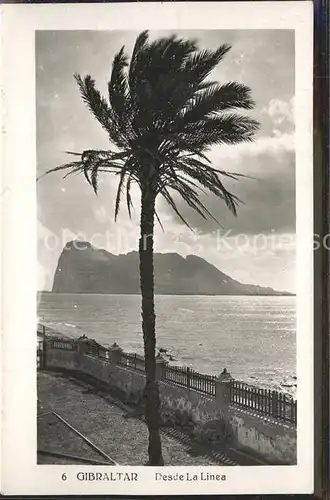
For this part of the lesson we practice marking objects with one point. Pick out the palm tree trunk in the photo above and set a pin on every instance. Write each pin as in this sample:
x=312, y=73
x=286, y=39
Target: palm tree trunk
x=152, y=400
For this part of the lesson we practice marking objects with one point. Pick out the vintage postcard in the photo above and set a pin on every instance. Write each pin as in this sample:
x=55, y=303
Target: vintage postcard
x=158, y=248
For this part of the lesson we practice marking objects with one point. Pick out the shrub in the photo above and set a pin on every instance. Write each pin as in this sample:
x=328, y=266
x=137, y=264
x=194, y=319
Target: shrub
x=177, y=418
x=218, y=431
x=134, y=398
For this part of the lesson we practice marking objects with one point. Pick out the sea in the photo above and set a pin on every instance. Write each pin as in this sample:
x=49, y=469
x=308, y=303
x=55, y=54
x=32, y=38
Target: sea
x=253, y=337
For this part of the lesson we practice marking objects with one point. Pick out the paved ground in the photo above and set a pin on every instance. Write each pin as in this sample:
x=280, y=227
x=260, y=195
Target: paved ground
x=124, y=440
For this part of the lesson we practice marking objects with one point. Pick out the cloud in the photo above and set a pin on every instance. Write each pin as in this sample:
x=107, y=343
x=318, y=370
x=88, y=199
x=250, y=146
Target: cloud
x=235, y=155
x=265, y=259
x=278, y=118
x=268, y=198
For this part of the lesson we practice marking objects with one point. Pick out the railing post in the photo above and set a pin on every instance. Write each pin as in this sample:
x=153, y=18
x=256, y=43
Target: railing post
x=188, y=377
x=43, y=354
x=160, y=364
x=274, y=404
x=222, y=391
x=292, y=419
x=80, y=351
x=115, y=352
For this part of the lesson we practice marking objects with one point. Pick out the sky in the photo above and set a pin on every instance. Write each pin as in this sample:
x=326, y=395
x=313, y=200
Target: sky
x=257, y=246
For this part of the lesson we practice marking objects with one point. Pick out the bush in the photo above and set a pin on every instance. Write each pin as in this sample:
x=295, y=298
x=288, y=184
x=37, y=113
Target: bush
x=177, y=418
x=134, y=398
x=166, y=417
x=217, y=431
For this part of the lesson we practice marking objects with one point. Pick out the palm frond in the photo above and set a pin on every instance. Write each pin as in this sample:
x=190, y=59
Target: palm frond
x=193, y=184
x=208, y=166
x=208, y=178
x=201, y=63
x=66, y=166
x=100, y=109
x=159, y=221
x=230, y=128
x=140, y=45
x=72, y=153
x=73, y=171
x=119, y=191
x=205, y=85
x=218, y=98
x=166, y=195
x=128, y=195
x=190, y=196
x=119, y=91
x=94, y=178
x=128, y=173
x=163, y=115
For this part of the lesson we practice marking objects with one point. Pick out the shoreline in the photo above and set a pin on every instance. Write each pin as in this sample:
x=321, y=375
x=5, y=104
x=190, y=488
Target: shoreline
x=190, y=401
x=279, y=294
x=251, y=380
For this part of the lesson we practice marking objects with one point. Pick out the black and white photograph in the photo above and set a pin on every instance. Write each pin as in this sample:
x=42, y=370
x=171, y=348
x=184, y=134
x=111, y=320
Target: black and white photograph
x=166, y=231
x=172, y=277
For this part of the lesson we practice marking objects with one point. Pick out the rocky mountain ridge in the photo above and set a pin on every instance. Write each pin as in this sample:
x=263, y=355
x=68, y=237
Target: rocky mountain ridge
x=83, y=268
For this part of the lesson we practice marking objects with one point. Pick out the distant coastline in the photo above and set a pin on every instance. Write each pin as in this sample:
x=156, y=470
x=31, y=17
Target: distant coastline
x=82, y=268
x=277, y=294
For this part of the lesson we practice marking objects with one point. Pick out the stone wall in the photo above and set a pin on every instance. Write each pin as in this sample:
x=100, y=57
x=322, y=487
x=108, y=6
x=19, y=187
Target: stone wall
x=201, y=408
x=100, y=369
x=60, y=358
x=272, y=441
x=275, y=441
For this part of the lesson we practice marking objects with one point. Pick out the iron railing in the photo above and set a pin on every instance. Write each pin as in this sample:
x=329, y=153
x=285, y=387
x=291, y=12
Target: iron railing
x=274, y=404
x=189, y=378
x=264, y=401
x=132, y=361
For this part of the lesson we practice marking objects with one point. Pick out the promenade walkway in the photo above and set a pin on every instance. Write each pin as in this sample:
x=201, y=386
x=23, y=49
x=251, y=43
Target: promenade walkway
x=104, y=424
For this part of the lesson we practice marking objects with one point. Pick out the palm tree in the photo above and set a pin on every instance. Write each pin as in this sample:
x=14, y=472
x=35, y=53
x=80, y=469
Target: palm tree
x=161, y=118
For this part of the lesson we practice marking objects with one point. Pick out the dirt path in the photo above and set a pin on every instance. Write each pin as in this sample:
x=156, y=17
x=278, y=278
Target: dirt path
x=124, y=440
